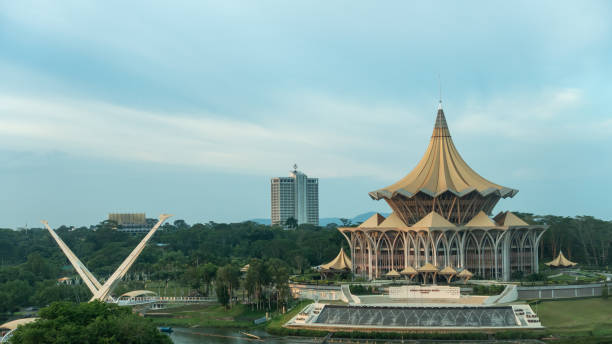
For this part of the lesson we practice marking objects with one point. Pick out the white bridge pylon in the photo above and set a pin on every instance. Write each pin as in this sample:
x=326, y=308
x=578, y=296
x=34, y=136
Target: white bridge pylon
x=99, y=291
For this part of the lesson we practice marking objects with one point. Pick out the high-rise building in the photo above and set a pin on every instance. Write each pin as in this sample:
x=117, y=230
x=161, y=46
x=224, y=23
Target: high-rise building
x=296, y=196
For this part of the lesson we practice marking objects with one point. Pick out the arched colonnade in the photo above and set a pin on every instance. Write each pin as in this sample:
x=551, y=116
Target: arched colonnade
x=491, y=253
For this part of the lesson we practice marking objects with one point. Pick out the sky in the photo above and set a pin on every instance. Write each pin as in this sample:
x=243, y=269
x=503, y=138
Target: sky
x=190, y=107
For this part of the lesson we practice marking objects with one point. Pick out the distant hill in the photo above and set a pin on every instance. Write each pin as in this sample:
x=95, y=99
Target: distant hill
x=327, y=220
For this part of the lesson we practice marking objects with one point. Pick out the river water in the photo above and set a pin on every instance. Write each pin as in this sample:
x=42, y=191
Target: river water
x=226, y=336
x=232, y=336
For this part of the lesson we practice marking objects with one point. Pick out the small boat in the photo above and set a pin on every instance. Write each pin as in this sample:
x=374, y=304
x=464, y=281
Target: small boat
x=250, y=335
x=166, y=329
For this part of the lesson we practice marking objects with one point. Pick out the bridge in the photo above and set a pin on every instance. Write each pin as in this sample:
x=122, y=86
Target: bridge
x=7, y=329
x=144, y=297
x=99, y=291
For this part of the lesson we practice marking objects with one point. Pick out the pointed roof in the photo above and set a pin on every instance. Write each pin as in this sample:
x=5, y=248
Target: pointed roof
x=392, y=273
x=428, y=267
x=508, y=219
x=373, y=221
x=481, y=220
x=448, y=270
x=341, y=262
x=409, y=270
x=560, y=261
x=465, y=273
x=433, y=220
x=442, y=169
x=393, y=221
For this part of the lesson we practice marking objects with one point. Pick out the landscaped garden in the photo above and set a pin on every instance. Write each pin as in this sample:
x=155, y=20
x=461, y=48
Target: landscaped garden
x=576, y=317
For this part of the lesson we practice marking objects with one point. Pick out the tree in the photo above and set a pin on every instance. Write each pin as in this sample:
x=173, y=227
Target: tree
x=181, y=224
x=346, y=222
x=228, y=277
x=223, y=296
x=300, y=262
x=92, y=322
x=291, y=222
x=209, y=271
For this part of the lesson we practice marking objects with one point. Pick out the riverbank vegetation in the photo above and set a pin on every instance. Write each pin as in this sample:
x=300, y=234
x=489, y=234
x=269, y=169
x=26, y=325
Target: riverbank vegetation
x=181, y=260
x=88, y=322
x=207, y=315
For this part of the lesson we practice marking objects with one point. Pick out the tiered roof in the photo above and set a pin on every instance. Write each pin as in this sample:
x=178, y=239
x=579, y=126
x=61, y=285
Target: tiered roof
x=341, y=262
x=481, y=220
x=448, y=270
x=433, y=220
x=560, y=261
x=428, y=267
x=508, y=219
x=442, y=169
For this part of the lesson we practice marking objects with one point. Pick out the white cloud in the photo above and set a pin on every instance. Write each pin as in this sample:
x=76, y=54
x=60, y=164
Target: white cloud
x=549, y=116
x=208, y=140
x=329, y=137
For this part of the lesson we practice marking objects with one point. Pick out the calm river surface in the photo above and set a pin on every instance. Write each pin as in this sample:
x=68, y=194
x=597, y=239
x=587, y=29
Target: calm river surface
x=233, y=336
x=227, y=336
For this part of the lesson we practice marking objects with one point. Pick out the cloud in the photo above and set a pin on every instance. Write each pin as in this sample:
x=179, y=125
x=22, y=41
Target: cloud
x=204, y=139
x=551, y=116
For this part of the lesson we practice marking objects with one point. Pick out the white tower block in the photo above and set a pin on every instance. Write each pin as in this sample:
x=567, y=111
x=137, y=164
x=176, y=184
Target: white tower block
x=103, y=293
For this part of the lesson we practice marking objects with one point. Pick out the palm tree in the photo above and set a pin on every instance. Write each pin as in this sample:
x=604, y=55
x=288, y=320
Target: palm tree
x=291, y=222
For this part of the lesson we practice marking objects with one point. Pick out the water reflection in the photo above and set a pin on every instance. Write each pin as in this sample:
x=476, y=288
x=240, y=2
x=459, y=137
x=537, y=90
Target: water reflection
x=233, y=336
x=227, y=336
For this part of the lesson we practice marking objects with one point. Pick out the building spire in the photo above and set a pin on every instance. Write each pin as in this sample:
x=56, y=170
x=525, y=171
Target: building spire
x=440, y=128
x=440, y=90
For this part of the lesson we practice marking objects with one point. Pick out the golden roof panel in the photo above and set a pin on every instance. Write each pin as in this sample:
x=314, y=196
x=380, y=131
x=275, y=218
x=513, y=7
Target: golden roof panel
x=341, y=262
x=440, y=170
x=508, y=219
x=373, y=221
x=560, y=261
x=428, y=267
x=393, y=221
x=433, y=220
x=481, y=220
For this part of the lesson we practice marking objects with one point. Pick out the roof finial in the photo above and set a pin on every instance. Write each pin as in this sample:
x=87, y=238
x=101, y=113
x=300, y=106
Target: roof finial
x=440, y=89
x=295, y=167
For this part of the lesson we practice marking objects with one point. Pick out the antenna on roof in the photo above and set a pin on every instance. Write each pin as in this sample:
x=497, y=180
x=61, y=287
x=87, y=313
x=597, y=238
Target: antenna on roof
x=440, y=86
x=440, y=90
x=295, y=167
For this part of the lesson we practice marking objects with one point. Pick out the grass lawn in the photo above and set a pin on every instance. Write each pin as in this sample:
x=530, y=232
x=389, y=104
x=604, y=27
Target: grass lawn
x=206, y=315
x=584, y=317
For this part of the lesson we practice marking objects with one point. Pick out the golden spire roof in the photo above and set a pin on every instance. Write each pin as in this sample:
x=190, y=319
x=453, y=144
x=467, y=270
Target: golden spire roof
x=428, y=267
x=481, y=220
x=393, y=221
x=408, y=270
x=465, y=273
x=392, y=273
x=341, y=262
x=433, y=220
x=373, y=221
x=560, y=261
x=442, y=169
x=508, y=219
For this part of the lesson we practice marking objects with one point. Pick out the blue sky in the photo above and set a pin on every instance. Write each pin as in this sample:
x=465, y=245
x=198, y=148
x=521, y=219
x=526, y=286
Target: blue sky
x=190, y=108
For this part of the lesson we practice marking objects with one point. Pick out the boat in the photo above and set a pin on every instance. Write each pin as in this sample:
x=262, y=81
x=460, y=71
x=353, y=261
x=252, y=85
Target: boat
x=166, y=329
x=250, y=335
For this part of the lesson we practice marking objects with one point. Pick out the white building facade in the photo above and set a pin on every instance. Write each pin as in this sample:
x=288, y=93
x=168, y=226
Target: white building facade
x=296, y=196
